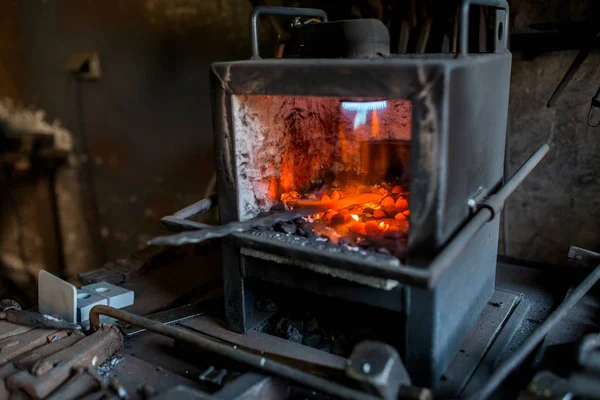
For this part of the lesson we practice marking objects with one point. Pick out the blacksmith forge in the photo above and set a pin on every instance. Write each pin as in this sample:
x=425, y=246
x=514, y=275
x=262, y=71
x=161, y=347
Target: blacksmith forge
x=291, y=131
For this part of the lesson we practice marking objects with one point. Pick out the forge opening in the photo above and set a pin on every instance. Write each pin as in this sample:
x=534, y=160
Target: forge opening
x=349, y=159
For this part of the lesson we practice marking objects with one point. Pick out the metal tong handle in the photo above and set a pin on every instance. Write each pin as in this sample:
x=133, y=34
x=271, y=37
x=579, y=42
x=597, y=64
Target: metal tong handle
x=286, y=11
x=501, y=28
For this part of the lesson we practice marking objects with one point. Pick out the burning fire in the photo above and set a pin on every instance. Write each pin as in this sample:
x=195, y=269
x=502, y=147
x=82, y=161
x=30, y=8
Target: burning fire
x=357, y=212
x=351, y=210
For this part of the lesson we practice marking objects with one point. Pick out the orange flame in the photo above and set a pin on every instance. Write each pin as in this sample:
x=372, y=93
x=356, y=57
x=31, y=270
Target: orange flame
x=273, y=187
x=375, y=125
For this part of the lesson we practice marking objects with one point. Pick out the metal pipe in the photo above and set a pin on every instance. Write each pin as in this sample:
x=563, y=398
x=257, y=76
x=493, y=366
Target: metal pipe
x=285, y=11
x=260, y=363
x=531, y=343
x=464, y=21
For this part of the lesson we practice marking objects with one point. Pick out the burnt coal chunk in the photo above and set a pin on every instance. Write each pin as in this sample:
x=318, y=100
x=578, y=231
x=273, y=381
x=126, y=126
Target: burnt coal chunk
x=266, y=305
x=279, y=206
x=312, y=325
x=265, y=327
x=324, y=347
x=306, y=229
x=293, y=334
x=337, y=219
x=299, y=221
x=290, y=330
x=286, y=227
x=312, y=340
x=338, y=349
x=365, y=244
x=282, y=326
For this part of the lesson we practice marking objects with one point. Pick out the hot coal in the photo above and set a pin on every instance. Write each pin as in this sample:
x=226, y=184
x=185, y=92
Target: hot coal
x=391, y=242
x=373, y=218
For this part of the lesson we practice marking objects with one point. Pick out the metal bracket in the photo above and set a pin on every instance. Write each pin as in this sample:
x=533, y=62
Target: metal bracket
x=476, y=199
x=502, y=28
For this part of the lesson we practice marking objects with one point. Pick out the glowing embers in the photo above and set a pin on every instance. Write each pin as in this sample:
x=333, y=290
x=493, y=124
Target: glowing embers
x=374, y=217
x=362, y=109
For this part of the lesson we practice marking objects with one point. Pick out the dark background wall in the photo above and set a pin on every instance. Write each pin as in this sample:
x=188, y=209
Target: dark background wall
x=144, y=128
x=144, y=134
x=558, y=205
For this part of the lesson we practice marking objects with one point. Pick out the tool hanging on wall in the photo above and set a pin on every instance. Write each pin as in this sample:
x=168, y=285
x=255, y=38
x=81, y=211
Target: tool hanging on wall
x=595, y=104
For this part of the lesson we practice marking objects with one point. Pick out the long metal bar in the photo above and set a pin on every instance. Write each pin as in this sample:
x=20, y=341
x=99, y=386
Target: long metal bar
x=286, y=11
x=231, y=352
x=531, y=343
x=464, y=21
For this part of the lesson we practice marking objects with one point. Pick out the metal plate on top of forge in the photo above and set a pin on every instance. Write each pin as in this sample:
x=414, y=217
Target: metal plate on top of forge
x=317, y=256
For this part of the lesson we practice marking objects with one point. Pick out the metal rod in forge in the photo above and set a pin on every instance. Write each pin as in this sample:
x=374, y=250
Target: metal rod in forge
x=236, y=354
x=531, y=343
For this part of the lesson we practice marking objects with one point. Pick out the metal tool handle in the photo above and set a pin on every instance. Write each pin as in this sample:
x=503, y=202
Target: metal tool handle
x=501, y=28
x=285, y=11
x=180, y=220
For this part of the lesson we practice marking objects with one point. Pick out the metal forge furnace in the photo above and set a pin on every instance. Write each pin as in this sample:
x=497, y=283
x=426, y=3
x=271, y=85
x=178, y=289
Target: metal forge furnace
x=394, y=155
